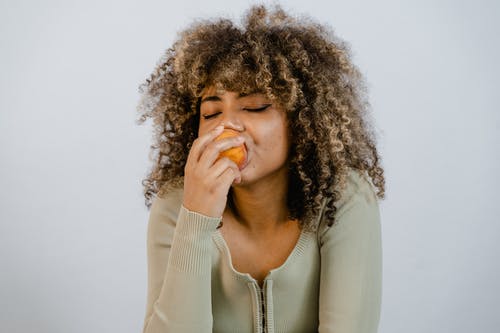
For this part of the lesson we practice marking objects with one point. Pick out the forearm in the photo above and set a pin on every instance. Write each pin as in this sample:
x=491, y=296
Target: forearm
x=184, y=302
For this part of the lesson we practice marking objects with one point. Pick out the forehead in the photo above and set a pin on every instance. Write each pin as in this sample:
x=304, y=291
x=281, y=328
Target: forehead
x=212, y=90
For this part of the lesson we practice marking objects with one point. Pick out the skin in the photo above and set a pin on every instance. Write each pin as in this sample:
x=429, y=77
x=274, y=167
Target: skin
x=259, y=237
x=260, y=187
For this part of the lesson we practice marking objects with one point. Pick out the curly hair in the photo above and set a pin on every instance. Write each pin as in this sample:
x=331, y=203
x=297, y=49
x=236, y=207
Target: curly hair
x=300, y=64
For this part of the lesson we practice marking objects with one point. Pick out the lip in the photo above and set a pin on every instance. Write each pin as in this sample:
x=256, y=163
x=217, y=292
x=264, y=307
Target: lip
x=246, y=159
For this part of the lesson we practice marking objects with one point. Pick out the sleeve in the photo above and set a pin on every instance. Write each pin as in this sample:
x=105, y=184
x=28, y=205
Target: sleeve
x=351, y=265
x=179, y=269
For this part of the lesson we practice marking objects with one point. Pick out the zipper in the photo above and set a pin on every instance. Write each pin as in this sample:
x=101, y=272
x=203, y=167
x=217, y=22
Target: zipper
x=263, y=308
x=259, y=302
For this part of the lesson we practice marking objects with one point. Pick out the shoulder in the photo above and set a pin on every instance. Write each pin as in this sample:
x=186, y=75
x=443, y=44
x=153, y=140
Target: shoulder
x=163, y=215
x=168, y=205
x=359, y=193
x=357, y=183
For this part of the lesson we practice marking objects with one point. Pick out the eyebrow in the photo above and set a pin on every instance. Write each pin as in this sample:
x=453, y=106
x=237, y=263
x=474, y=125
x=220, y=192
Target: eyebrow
x=218, y=99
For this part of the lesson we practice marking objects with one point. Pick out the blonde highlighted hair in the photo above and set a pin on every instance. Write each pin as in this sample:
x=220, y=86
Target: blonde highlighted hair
x=296, y=62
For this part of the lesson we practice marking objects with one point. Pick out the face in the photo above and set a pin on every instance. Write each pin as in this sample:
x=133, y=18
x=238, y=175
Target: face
x=261, y=123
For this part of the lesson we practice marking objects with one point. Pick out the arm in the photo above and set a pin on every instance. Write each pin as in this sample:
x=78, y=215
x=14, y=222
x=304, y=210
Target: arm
x=179, y=269
x=351, y=265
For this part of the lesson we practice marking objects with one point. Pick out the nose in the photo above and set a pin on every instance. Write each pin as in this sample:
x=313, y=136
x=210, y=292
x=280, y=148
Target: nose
x=230, y=119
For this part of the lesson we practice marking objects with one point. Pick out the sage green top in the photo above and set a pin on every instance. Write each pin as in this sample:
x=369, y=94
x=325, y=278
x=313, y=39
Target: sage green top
x=331, y=281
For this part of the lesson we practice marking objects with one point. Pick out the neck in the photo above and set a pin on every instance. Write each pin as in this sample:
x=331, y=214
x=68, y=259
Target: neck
x=261, y=207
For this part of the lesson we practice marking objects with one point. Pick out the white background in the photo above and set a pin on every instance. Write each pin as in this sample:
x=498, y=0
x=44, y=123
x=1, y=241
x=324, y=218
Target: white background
x=73, y=219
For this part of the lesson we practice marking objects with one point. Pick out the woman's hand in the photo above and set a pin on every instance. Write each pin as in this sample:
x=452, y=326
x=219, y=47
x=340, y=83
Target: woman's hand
x=207, y=179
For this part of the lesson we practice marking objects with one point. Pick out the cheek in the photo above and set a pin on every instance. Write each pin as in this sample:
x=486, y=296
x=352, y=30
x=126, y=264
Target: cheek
x=275, y=140
x=203, y=129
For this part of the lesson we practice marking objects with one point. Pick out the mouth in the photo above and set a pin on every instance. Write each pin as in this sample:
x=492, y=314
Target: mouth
x=246, y=158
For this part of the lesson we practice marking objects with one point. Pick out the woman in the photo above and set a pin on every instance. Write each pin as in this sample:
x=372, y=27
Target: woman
x=287, y=239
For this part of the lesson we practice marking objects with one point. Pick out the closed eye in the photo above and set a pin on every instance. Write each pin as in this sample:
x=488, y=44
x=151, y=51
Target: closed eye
x=259, y=109
x=246, y=109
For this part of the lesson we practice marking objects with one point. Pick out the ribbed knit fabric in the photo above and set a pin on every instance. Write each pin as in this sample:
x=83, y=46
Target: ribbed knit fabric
x=192, y=242
x=331, y=281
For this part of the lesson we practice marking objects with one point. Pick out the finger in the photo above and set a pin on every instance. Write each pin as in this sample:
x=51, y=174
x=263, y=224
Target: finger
x=213, y=150
x=227, y=178
x=200, y=143
x=221, y=166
